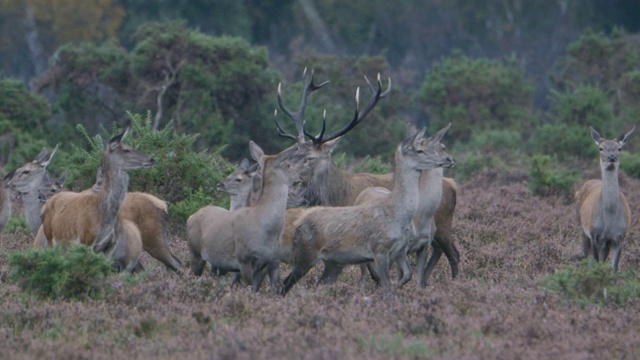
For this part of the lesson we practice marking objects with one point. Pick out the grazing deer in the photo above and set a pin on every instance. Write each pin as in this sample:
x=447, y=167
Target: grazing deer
x=92, y=218
x=27, y=181
x=376, y=231
x=328, y=185
x=602, y=208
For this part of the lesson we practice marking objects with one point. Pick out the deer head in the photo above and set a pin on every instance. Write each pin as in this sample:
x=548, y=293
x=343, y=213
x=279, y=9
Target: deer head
x=50, y=187
x=423, y=154
x=120, y=156
x=610, y=149
x=28, y=178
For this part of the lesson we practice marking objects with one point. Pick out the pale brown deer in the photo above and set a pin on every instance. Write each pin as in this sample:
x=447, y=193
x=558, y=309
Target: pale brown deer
x=602, y=208
x=429, y=199
x=376, y=231
x=27, y=181
x=209, y=234
x=91, y=218
x=328, y=185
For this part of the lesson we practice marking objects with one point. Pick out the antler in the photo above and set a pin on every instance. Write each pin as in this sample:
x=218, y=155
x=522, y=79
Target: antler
x=357, y=117
x=298, y=115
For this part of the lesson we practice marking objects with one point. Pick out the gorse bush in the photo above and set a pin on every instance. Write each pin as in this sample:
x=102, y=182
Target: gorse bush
x=179, y=173
x=591, y=282
x=545, y=180
x=372, y=165
x=630, y=164
x=17, y=224
x=48, y=272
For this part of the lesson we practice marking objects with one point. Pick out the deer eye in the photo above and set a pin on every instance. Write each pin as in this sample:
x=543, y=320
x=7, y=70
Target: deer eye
x=419, y=151
x=601, y=148
x=238, y=180
x=620, y=149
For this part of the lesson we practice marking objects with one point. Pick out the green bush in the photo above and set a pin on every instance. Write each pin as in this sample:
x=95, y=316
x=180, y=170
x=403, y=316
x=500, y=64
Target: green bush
x=477, y=94
x=630, y=164
x=372, y=165
x=591, y=282
x=473, y=162
x=562, y=141
x=545, y=180
x=50, y=273
x=17, y=224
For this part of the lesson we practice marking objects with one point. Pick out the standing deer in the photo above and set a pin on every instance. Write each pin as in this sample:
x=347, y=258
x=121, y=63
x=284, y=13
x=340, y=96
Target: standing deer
x=257, y=229
x=27, y=181
x=375, y=231
x=429, y=199
x=91, y=218
x=328, y=185
x=602, y=208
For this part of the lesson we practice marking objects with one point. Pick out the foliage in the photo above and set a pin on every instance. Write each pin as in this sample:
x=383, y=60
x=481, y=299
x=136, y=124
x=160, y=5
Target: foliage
x=473, y=162
x=22, y=122
x=180, y=170
x=50, y=273
x=592, y=283
x=17, y=224
x=547, y=180
x=372, y=165
x=477, y=94
x=562, y=141
x=630, y=164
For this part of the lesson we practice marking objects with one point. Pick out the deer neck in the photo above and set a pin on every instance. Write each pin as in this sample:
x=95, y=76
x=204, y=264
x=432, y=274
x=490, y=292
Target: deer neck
x=430, y=190
x=32, y=207
x=112, y=193
x=610, y=193
x=404, y=195
x=331, y=187
x=273, y=199
x=239, y=201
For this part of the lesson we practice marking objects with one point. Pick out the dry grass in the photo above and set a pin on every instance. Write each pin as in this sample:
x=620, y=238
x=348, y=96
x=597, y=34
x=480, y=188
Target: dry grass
x=496, y=309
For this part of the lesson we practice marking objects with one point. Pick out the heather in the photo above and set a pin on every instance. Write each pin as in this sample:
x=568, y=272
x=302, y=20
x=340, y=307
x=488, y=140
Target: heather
x=505, y=303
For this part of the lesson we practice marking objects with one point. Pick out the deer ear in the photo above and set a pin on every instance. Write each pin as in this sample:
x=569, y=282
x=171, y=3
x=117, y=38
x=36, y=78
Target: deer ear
x=440, y=134
x=60, y=181
x=412, y=129
x=595, y=136
x=42, y=156
x=418, y=135
x=255, y=151
x=8, y=178
x=47, y=159
x=330, y=145
x=622, y=139
x=244, y=164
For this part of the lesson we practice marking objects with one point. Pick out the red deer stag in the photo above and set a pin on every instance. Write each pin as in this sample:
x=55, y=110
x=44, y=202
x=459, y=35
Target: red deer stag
x=602, y=209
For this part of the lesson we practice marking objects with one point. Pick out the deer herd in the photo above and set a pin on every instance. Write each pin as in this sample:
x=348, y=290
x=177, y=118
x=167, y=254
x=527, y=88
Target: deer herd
x=295, y=207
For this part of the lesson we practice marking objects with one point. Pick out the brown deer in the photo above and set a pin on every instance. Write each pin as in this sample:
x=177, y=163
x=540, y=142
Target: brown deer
x=257, y=229
x=328, y=185
x=27, y=181
x=91, y=218
x=376, y=231
x=602, y=208
x=209, y=233
x=429, y=199
x=151, y=216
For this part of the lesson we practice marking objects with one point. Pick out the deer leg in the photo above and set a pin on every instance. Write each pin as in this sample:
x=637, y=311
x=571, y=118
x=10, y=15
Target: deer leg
x=421, y=255
x=404, y=268
x=197, y=263
x=373, y=273
x=364, y=272
x=296, y=274
x=260, y=270
x=616, y=255
x=444, y=242
x=235, y=279
x=331, y=272
x=274, y=276
x=162, y=253
x=381, y=265
x=246, y=272
x=586, y=245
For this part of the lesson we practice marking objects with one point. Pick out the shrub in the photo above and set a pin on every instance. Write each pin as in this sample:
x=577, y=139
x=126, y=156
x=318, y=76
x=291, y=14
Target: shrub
x=546, y=181
x=372, y=165
x=477, y=94
x=562, y=141
x=17, y=224
x=592, y=282
x=474, y=162
x=50, y=273
x=630, y=164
